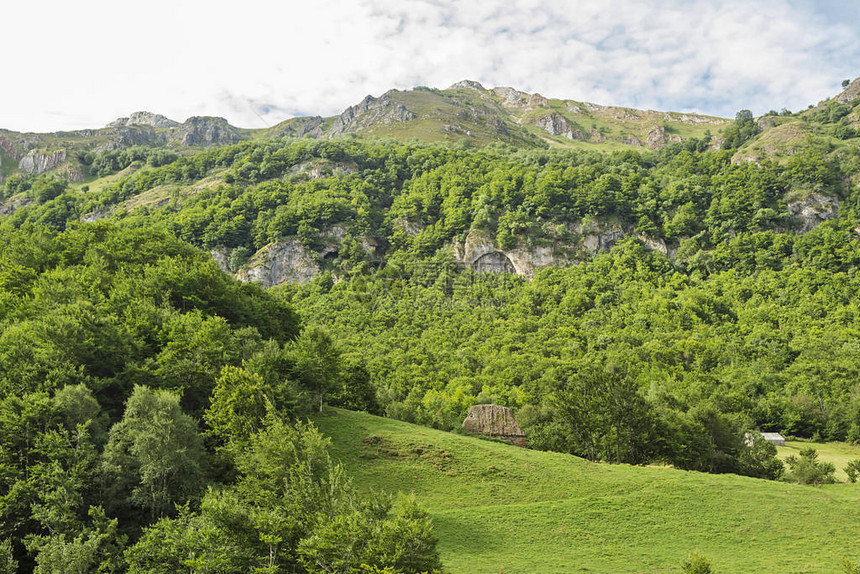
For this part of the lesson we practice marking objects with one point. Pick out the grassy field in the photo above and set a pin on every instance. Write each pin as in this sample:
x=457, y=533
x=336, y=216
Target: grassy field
x=499, y=508
x=839, y=453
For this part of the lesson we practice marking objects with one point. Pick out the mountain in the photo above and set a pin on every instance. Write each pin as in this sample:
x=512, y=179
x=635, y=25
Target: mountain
x=431, y=250
x=465, y=114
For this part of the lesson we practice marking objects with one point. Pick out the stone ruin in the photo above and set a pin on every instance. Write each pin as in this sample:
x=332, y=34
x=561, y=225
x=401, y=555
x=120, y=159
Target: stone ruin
x=495, y=421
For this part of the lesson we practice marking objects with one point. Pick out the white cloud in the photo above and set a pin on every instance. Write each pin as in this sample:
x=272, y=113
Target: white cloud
x=72, y=65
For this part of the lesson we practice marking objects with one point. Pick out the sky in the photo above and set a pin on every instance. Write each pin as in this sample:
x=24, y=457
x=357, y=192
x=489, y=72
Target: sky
x=81, y=64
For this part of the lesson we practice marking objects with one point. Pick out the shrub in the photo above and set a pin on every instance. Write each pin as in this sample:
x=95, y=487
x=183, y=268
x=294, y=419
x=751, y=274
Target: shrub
x=806, y=469
x=852, y=469
x=696, y=563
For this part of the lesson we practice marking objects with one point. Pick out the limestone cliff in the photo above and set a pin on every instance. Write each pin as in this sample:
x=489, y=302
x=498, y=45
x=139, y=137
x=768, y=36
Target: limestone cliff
x=556, y=125
x=282, y=262
x=144, y=119
x=370, y=111
x=851, y=93
x=814, y=210
x=205, y=131
x=40, y=161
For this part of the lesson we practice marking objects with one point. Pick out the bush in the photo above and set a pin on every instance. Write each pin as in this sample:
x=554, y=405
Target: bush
x=852, y=469
x=806, y=469
x=696, y=563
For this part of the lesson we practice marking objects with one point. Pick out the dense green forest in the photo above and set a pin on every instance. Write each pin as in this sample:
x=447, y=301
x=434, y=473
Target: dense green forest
x=146, y=419
x=150, y=403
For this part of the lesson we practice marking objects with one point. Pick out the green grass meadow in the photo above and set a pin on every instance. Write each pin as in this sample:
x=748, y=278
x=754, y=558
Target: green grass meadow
x=839, y=453
x=500, y=508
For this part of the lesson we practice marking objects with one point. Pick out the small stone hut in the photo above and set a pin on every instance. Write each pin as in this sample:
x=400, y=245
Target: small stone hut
x=774, y=438
x=495, y=421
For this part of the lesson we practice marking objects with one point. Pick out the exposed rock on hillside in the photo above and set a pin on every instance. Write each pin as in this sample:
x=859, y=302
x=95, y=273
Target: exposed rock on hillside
x=600, y=238
x=277, y=263
x=851, y=93
x=556, y=125
x=512, y=98
x=814, y=210
x=495, y=421
x=470, y=84
x=693, y=119
x=369, y=112
x=480, y=254
x=40, y=161
x=221, y=255
x=125, y=137
x=300, y=127
x=658, y=137
x=12, y=205
x=206, y=131
x=321, y=169
x=144, y=119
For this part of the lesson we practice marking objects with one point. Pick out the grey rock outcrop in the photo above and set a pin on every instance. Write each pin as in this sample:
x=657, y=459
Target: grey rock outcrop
x=206, y=131
x=556, y=125
x=814, y=210
x=512, y=98
x=144, y=119
x=600, y=238
x=495, y=421
x=851, y=93
x=300, y=127
x=470, y=84
x=221, y=255
x=40, y=161
x=479, y=253
x=282, y=262
x=658, y=137
x=694, y=119
x=125, y=137
x=370, y=111
x=12, y=205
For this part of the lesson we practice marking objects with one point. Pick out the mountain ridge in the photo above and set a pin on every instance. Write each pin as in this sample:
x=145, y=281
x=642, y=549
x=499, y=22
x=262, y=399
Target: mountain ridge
x=465, y=114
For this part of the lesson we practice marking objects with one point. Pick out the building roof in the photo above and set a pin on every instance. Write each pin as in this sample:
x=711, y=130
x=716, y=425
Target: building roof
x=772, y=436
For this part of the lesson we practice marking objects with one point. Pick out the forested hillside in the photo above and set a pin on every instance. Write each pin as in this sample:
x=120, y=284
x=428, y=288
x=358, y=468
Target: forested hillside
x=147, y=403
x=633, y=305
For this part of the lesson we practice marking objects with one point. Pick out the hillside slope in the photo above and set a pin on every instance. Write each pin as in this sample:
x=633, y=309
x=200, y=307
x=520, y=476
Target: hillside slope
x=499, y=508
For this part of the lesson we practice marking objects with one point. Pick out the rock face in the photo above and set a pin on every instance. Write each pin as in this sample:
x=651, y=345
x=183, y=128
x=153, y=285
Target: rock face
x=657, y=137
x=480, y=254
x=369, y=112
x=11, y=205
x=556, y=125
x=851, y=93
x=512, y=98
x=206, y=131
x=144, y=119
x=301, y=127
x=278, y=263
x=221, y=256
x=40, y=161
x=135, y=135
x=814, y=210
x=495, y=421
x=470, y=84
x=493, y=262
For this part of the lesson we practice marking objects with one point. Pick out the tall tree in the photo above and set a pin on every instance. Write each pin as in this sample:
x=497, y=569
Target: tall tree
x=154, y=455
